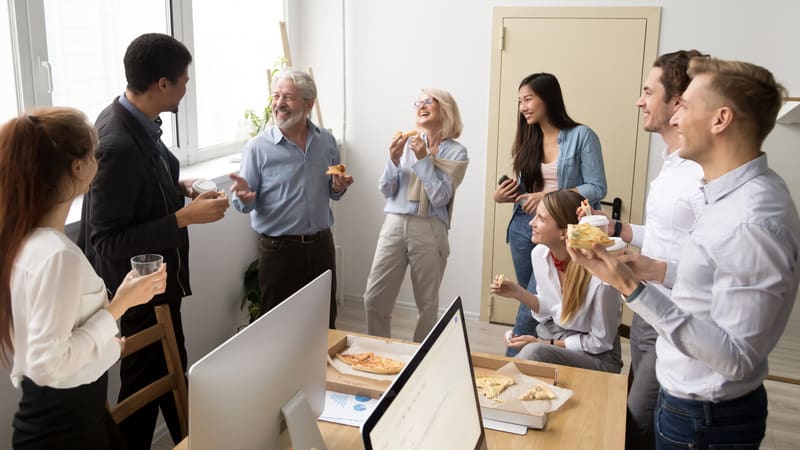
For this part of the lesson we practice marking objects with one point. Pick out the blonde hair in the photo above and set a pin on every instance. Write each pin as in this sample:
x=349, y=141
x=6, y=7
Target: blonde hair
x=754, y=94
x=451, y=118
x=562, y=206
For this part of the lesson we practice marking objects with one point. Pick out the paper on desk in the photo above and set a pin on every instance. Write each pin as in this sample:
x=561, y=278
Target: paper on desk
x=347, y=409
x=524, y=383
x=356, y=344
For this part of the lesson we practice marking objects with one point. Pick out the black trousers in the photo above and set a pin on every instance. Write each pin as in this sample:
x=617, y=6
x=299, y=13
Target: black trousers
x=76, y=418
x=143, y=367
x=287, y=263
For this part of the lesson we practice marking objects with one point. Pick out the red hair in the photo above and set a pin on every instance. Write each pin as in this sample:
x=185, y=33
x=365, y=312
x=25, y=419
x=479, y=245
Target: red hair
x=36, y=153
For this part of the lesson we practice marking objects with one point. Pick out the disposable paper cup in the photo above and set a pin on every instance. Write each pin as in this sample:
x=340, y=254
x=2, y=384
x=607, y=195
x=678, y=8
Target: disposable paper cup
x=146, y=264
x=202, y=185
x=597, y=221
x=618, y=248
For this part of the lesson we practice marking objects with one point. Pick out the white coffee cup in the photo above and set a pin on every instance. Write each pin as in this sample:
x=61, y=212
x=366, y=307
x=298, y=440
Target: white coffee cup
x=597, y=221
x=202, y=185
x=618, y=248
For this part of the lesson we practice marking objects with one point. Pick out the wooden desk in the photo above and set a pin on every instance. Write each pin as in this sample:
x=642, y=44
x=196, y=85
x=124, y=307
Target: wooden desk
x=593, y=418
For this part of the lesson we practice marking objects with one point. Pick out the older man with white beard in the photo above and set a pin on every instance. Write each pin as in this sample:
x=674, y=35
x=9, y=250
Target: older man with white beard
x=283, y=184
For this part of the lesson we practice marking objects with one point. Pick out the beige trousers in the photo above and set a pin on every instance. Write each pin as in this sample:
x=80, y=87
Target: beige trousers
x=418, y=242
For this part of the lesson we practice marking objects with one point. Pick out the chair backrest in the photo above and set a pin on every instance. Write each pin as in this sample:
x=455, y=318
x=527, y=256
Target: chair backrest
x=174, y=379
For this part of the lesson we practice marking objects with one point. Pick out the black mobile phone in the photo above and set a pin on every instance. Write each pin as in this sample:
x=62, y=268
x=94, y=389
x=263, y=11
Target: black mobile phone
x=502, y=179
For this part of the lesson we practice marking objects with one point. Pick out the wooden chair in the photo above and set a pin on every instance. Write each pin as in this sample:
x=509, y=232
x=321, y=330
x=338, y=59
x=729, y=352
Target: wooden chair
x=174, y=379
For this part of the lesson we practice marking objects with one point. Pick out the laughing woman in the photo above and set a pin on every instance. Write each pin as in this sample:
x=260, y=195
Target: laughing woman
x=419, y=183
x=578, y=314
x=55, y=317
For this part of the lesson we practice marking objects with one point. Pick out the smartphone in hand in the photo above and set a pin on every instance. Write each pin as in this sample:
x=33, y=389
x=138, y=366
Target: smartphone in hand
x=502, y=179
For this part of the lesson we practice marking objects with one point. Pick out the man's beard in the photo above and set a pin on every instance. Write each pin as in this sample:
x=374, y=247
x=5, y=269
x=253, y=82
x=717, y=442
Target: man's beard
x=294, y=119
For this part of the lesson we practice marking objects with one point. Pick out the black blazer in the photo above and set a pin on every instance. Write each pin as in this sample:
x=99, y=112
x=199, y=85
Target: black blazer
x=130, y=207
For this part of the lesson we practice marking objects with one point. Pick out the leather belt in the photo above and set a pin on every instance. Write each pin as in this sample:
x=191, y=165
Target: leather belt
x=299, y=238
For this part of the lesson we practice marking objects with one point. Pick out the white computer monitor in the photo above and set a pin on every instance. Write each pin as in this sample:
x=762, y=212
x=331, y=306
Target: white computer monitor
x=433, y=402
x=238, y=390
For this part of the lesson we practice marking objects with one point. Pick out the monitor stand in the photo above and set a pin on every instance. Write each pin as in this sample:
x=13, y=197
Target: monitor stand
x=301, y=423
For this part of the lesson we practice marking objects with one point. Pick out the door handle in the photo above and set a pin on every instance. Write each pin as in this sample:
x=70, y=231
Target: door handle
x=616, y=207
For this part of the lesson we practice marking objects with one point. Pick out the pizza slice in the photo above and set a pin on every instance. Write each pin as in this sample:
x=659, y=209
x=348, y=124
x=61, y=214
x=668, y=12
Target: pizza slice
x=584, y=235
x=339, y=169
x=491, y=386
x=586, y=207
x=380, y=365
x=405, y=135
x=354, y=358
x=539, y=392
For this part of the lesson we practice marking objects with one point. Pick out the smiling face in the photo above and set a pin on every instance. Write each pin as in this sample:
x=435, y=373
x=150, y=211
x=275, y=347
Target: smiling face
x=656, y=108
x=429, y=112
x=288, y=106
x=695, y=119
x=174, y=92
x=531, y=106
x=544, y=229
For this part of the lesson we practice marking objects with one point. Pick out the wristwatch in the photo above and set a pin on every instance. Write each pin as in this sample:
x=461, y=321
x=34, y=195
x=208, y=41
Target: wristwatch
x=635, y=293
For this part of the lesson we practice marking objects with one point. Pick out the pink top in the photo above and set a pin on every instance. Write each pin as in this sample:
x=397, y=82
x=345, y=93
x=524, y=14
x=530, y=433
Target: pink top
x=550, y=176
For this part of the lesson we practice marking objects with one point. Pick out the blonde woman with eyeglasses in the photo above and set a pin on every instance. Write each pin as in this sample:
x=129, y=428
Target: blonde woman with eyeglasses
x=419, y=182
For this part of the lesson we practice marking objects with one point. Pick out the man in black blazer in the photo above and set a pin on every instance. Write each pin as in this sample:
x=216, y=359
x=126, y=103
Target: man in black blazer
x=136, y=206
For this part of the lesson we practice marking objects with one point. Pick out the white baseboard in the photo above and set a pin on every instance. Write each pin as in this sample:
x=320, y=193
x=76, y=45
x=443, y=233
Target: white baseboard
x=408, y=305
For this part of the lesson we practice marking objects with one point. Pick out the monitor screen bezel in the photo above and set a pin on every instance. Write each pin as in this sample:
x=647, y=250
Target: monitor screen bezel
x=402, y=378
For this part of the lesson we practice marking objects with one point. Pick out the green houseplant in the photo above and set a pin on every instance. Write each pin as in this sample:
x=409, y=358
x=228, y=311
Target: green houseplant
x=252, y=293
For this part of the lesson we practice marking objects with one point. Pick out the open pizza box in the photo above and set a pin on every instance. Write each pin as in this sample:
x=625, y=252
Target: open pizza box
x=526, y=374
x=341, y=378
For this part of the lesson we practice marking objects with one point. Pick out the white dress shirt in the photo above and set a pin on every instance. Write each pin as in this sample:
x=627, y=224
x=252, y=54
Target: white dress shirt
x=598, y=319
x=736, y=284
x=63, y=337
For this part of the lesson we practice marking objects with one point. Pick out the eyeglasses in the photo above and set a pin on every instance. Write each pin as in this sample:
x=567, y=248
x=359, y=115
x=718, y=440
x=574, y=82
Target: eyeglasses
x=427, y=102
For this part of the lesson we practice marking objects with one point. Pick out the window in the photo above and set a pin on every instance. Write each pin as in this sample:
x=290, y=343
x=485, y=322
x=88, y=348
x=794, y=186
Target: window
x=231, y=74
x=8, y=94
x=86, y=41
x=70, y=53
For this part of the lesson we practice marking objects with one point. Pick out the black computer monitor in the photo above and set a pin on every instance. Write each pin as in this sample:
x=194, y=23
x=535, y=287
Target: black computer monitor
x=433, y=402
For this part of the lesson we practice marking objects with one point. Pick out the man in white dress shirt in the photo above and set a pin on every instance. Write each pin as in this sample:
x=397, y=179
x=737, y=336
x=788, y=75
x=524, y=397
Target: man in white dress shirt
x=738, y=274
x=669, y=217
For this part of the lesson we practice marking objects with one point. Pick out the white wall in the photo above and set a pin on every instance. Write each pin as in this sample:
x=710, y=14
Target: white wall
x=394, y=48
x=219, y=255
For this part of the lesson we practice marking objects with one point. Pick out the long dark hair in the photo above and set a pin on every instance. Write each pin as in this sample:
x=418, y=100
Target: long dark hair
x=528, y=148
x=36, y=154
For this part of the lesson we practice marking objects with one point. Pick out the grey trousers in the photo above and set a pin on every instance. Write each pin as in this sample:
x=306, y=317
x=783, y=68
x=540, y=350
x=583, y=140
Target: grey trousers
x=643, y=393
x=406, y=241
x=610, y=361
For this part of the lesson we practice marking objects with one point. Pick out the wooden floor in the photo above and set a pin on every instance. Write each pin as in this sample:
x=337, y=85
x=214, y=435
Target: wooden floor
x=783, y=423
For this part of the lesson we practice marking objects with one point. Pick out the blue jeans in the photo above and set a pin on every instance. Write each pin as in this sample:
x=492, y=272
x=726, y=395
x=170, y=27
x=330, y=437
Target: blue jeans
x=733, y=424
x=519, y=239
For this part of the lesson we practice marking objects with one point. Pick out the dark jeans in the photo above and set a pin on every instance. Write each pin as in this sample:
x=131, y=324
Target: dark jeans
x=286, y=264
x=519, y=240
x=142, y=368
x=733, y=424
x=74, y=418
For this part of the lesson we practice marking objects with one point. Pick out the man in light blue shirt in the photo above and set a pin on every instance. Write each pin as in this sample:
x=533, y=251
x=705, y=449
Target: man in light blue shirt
x=283, y=184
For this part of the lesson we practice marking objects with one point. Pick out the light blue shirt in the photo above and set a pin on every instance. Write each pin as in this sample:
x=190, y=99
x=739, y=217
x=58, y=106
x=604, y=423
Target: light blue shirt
x=737, y=280
x=437, y=184
x=292, y=190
